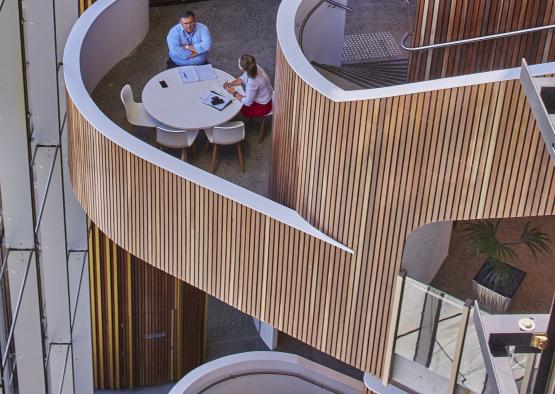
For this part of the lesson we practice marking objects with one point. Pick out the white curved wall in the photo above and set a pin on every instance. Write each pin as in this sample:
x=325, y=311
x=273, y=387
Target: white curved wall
x=325, y=25
x=288, y=16
x=115, y=33
x=264, y=372
x=106, y=33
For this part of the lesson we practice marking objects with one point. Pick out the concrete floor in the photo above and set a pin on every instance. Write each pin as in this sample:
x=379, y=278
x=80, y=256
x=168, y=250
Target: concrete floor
x=380, y=16
x=237, y=27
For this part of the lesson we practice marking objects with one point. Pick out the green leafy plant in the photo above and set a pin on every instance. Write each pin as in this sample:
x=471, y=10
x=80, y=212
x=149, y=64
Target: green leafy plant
x=482, y=235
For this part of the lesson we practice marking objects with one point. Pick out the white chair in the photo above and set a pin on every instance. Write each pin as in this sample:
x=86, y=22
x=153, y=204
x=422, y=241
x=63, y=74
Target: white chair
x=226, y=134
x=135, y=112
x=176, y=138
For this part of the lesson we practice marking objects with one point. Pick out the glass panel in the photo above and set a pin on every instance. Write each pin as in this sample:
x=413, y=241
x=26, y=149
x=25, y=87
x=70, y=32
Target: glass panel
x=472, y=372
x=428, y=326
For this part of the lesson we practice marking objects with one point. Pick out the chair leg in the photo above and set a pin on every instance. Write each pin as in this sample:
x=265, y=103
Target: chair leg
x=206, y=146
x=184, y=154
x=154, y=139
x=261, y=131
x=240, y=154
x=214, y=157
x=194, y=150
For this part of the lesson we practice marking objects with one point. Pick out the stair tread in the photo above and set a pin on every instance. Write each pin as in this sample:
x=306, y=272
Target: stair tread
x=371, y=74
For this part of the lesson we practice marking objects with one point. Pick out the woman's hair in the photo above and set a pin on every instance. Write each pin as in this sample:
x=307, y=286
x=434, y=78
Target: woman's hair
x=248, y=64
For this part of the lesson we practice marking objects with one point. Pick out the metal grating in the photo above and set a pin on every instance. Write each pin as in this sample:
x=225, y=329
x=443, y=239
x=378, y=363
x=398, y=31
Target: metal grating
x=369, y=46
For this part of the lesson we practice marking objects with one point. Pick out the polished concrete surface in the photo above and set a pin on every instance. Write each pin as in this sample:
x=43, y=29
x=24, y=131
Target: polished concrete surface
x=375, y=18
x=237, y=27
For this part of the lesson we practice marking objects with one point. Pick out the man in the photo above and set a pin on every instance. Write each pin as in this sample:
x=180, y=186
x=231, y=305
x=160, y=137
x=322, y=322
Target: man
x=188, y=42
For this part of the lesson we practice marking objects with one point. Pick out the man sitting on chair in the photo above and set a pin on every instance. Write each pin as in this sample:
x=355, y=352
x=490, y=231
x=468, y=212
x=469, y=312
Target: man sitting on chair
x=188, y=42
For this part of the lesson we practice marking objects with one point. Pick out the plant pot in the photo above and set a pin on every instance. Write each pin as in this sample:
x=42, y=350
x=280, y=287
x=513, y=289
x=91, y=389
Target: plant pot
x=495, y=285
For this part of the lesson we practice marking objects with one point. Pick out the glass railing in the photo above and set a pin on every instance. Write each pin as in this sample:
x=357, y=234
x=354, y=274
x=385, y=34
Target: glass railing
x=436, y=343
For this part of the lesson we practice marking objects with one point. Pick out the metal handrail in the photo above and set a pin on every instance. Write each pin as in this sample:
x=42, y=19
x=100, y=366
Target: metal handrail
x=312, y=10
x=472, y=40
x=340, y=5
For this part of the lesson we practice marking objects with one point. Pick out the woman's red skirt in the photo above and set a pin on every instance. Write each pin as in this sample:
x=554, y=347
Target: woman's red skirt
x=256, y=110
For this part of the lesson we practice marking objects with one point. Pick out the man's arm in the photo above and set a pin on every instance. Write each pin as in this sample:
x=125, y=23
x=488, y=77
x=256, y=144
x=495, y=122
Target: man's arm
x=176, y=50
x=205, y=41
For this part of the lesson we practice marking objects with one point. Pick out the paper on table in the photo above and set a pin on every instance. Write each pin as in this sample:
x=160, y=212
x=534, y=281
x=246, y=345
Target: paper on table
x=204, y=72
x=187, y=74
x=208, y=101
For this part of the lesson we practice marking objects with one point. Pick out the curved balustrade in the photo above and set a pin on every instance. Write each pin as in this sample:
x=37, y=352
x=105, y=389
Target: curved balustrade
x=368, y=167
x=268, y=372
x=364, y=167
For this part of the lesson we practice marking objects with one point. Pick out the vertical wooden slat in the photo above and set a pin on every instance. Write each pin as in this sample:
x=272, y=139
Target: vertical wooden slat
x=450, y=20
x=367, y=173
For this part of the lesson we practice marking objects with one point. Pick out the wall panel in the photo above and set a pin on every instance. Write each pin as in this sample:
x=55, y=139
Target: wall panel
x=441, y=21
x=366, y=173
x=147, y=326
x=369, y=172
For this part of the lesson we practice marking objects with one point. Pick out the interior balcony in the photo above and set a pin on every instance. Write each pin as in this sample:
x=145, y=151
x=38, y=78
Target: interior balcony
x=352, y=174
x=373, y=43
x=149, y=58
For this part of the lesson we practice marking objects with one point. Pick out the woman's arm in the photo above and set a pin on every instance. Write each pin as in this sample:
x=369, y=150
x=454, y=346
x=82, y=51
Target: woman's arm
x=235, y=82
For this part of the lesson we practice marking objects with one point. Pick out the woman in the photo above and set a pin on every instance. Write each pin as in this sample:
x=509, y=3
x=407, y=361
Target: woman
x=257, y=100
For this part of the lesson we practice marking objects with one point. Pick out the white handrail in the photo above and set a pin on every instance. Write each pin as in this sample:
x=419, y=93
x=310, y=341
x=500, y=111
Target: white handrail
x=473, y=39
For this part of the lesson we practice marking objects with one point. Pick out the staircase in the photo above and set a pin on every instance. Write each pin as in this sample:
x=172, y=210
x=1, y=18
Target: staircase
x=366, y=75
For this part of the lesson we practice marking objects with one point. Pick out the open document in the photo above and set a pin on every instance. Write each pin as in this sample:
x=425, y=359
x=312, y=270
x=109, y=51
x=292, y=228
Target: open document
x=215, y=100
x=196, y=73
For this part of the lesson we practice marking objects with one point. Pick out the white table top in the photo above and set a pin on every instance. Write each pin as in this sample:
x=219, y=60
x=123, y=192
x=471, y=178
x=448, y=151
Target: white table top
x=179, y=104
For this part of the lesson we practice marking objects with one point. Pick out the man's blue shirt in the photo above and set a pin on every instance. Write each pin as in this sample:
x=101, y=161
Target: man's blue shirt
x=200, y=38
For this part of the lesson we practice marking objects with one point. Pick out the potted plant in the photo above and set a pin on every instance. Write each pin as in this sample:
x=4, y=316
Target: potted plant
x=496, y=275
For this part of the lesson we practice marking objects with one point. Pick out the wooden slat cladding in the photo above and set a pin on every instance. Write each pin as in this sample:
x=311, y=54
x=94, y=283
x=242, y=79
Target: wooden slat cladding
x=369, y=172
x=366, y=173
x=440, y=21
x=260, y=266
x=84, y=4
x=147, y=326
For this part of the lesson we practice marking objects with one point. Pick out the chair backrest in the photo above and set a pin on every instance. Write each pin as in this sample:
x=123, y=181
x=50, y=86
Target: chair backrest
x=173, y=138
x=229, y=133
x=127, y=97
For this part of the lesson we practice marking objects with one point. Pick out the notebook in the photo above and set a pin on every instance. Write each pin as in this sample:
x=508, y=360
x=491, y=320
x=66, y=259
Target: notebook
x=215, y=100
x=189, y=74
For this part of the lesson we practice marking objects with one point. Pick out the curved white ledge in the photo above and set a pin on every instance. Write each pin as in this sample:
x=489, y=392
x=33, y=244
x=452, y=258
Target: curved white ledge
x=216, y=373
x=299, y=63
x=79, y=48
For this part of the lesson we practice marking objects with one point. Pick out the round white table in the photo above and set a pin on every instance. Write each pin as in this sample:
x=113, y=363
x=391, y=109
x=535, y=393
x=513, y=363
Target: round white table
x=179, y=104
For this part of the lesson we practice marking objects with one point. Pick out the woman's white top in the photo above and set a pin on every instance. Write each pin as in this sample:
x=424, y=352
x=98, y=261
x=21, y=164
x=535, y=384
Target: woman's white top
x=257, y=90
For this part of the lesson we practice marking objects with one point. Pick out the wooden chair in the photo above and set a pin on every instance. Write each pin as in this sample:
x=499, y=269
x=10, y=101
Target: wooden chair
x=262, y=125
x=226, y=134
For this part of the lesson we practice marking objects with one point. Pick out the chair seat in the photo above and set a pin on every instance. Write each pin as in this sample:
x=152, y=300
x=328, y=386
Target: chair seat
x=137, y=115
x=175, y=138
x=226, y=137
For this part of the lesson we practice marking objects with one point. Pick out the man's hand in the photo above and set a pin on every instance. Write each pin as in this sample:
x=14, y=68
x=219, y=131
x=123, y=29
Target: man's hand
x=230, y=89
x=190, y=47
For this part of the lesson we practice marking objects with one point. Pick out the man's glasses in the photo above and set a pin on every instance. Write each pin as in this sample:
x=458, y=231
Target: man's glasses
x=188, y=24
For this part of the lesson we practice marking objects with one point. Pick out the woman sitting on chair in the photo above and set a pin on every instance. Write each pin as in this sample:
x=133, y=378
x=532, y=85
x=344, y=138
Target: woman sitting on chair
x=257, y=100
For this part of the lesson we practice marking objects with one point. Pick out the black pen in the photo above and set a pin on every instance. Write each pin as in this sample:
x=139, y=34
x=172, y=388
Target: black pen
x=215, y=93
